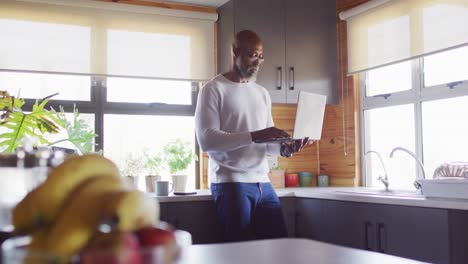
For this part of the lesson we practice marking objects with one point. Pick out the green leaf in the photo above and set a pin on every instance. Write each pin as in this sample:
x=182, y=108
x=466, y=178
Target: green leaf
x=19, y=124
x=178, y=156
x=79, y=133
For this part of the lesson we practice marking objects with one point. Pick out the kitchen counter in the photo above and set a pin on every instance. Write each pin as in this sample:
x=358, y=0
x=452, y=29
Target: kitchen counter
x=337, y=193
x=280, y=251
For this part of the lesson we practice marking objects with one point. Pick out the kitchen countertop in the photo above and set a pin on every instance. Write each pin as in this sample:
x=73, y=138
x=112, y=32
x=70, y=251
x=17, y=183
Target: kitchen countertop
x=287, y=250
x=337, y=193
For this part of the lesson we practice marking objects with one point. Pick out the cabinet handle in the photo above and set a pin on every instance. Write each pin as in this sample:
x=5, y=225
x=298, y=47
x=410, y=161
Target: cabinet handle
x=367, y=233
x=381, y=238
x=291, y=81
x=279, y=78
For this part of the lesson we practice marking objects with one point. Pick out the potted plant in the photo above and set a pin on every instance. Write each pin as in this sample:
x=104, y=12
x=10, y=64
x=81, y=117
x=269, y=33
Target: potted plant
x=133, y=168
x=40, y=123
x=178, y=156
x=154, y=164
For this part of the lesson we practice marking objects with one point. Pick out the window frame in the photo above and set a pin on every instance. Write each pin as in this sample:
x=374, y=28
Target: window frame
x=417, y=95
x=99, y=106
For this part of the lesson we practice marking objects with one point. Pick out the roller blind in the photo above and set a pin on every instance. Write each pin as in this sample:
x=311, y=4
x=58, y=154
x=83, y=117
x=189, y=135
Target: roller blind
x=97, y=38
x=382, y=32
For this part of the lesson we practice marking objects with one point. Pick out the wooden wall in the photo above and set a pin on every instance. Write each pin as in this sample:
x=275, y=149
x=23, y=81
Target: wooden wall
x=337, y=154
x=340, y=144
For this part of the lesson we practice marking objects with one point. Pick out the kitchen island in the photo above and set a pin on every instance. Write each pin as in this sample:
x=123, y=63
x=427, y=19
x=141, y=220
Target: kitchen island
x=412, y=226
x=284, y=251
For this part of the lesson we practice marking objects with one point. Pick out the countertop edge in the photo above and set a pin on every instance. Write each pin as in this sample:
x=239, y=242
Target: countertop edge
x=333, y=193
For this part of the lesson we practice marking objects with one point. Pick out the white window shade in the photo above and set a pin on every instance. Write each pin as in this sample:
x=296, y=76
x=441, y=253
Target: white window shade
x=383, y=32
x=97, y=38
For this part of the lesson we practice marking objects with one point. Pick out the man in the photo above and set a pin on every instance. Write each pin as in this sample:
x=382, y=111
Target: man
x=232, y=113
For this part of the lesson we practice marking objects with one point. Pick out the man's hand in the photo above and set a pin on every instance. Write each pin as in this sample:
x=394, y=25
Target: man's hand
x=268, y=134
x=288, y=148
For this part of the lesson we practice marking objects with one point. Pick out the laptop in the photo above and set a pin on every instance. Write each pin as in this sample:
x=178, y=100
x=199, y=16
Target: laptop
x=309, y=118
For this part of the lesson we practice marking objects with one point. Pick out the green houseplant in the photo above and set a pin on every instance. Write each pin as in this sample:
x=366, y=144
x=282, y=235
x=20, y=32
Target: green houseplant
x=177, y=157
x=16, y=124
x=154, y=163
x=133, y=168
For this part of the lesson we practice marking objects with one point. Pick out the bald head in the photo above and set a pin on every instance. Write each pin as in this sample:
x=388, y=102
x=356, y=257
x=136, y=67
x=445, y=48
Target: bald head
x=246, y=38
x=247, y=54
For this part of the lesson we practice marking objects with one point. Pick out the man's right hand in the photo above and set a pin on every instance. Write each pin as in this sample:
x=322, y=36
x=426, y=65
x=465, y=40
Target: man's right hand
x=269, y=133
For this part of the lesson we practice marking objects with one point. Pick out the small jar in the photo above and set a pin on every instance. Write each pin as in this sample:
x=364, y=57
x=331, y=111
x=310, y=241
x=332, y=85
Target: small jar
x=305, y=178
x=322, y=180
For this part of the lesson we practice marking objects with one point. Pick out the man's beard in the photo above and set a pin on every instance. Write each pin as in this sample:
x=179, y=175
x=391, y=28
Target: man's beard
x=249, y=73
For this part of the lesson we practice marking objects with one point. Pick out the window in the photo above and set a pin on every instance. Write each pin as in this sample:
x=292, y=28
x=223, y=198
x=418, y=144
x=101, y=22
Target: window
x=444, y=131
x=132, y=71
x=130, y=126
x=149, y=91
x=388, y=127
x=423, y=109
x=37, y=86
x=446, y=67
x=39, y=46
x=382, y=80
x=128, y=137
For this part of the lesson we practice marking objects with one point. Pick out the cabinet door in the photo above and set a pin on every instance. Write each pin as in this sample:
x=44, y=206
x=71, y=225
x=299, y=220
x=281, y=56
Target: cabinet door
x=225, y=36
x=311, y=48
x=163, y=212
x=198, y=218
x=351, y=224
x=289, y=213
x=266, y=18
x=310, y=219
x=413, y=232
x=458, y=236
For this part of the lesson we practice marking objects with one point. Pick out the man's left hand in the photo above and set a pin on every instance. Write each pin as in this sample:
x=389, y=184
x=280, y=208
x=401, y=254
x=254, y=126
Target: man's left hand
x=288, y=148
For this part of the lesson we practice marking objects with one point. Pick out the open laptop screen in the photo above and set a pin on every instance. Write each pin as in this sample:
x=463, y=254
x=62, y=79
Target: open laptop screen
x=309, y=117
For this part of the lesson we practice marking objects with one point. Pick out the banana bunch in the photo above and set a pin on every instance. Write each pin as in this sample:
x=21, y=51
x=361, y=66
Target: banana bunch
x=64, y=213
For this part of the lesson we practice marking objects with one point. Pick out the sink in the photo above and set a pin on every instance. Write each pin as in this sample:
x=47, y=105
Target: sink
x=398, y=193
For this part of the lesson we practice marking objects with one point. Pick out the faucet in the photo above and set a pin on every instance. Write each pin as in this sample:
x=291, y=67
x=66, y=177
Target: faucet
x=416, y=183
x=383, y=179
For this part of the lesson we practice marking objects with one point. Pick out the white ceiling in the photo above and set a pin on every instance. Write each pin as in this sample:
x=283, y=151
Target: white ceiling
x=210, y=3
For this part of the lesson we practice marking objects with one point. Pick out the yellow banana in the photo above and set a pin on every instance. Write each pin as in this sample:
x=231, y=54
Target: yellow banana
x=78, y=220
x=132, y=210
x=41, y=205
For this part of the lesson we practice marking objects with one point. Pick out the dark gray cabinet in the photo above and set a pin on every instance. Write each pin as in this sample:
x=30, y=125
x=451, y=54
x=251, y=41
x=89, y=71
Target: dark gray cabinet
x=197, y=217
x=266, y=18
x=351, y=224
x=425, y=234
x=200, y=220
x=288, y=206
x=300, y=44
x=410, y=232
x=458, y=236
x=310, y=219
x=413, y=232
x=311, y=48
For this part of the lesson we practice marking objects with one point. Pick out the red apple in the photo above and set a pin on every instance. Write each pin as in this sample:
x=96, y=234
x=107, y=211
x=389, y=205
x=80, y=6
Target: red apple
x=112, y=248
x=159, y=245
x=154, y=236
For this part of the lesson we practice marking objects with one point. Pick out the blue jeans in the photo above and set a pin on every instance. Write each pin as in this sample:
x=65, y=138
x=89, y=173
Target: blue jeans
x=248, y=211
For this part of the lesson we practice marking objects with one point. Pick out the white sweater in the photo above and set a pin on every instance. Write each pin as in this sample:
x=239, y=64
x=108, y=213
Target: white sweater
x=226, y=114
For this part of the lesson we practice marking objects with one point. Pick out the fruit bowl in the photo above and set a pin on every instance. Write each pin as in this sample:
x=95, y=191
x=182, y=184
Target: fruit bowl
x=14, y=252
